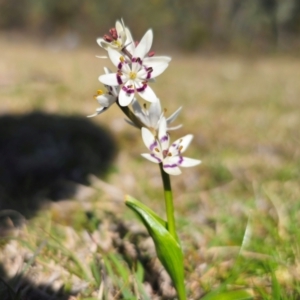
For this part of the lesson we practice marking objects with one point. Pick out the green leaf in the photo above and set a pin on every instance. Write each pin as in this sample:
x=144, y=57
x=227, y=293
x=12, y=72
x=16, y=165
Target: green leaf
x=167, y=248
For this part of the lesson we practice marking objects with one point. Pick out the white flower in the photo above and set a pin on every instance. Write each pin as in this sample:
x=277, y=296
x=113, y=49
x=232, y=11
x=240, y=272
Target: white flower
x=151, y=118
x=170, y=156
x=106, y=99
x=119, y=38
x=135, y=73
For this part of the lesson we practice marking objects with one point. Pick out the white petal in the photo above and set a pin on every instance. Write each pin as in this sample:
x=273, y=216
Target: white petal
x=119, y=27
x=137, y=109
x=126, y=69
x=172, y=170
x=109, y=79
x=156, y=59
x=130, y=46
x=158, y=69
x=182, y=142
x=115, y=90
x=114, y=56
x=136, y=67
x=124, y=98
x=186, y=140
x=162, y=130
x=103, y=44
x=148, y=94
x=142, y=73
x=144, y=45
x=154, y=113
x=98, y=112
x=174, y=116
x=136, y=106
x=189, y=162
x=148, y=138
x=106, y=100
x=151, y=158
x=174, y=127
x=163, y=136
x=155, y=108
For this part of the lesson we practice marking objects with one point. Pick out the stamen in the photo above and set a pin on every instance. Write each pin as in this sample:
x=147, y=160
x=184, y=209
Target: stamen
x=113, y=33
x=100, y=92
x=107, y=38
x=122, y=59
x=156, y=149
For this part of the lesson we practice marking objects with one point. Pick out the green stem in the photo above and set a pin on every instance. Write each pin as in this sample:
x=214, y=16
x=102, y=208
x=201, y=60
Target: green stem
x=180, y=287
x=169, y=202
x=131, y=116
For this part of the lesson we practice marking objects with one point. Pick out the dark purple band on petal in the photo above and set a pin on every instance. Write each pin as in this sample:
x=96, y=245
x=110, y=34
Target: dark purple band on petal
x=153, y=145
x=120, y=65
x=127, y=90
x=180, y=160
x=170, y=166
x=142, y=88
x=164, y=138
x=158, y=159
x=149, y=71
x=137, y=59
x=119, y=79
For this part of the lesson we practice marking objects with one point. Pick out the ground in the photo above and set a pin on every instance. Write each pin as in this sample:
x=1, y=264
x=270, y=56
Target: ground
x=237, y=213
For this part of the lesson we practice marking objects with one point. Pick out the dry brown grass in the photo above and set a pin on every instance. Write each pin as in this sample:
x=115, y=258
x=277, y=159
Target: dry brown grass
x=243, y=112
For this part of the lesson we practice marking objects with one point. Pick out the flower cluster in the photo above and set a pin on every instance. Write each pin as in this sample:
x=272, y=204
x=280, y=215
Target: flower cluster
x=136, y=67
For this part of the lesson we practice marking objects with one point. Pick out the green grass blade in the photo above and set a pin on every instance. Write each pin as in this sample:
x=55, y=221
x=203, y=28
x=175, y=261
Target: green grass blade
x=229, y=295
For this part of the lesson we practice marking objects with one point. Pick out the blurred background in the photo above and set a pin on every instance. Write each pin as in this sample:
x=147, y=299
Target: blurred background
x=236, y=60
x=189, y=25
x=235, y=69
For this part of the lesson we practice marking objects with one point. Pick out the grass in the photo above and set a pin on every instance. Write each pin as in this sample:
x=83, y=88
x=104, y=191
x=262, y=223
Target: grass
x=244, y=114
